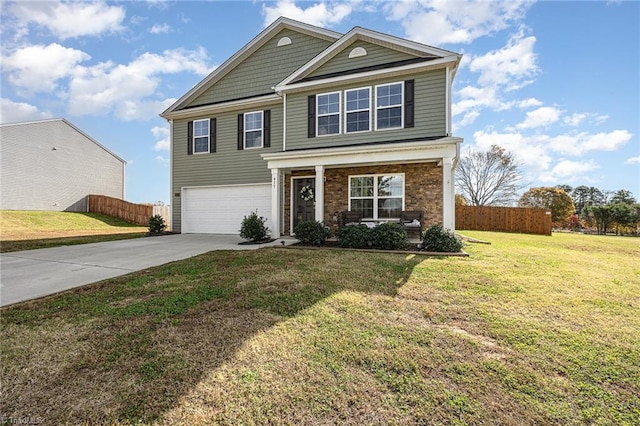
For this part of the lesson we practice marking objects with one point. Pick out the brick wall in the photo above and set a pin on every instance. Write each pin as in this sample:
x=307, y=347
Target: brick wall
x=423, y=190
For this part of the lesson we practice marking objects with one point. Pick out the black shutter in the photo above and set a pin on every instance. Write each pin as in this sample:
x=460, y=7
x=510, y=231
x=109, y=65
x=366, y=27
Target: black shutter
x=212, y=135
x=311, y=116
x=409, y=110
x=190, y=138
x=240, y=131
x=266, y=128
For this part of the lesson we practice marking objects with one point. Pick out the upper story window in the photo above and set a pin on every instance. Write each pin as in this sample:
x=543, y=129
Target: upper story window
x=200, y=136
x=358, y=110
x=328, y=113
x=389, y=101
x=253, y=129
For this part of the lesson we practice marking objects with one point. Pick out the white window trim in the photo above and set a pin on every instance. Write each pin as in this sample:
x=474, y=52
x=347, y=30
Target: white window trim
x=401, y=105
x=357, y=110
x=375, y=194
x=208, y=136
x=339, y=114
x=245, y=131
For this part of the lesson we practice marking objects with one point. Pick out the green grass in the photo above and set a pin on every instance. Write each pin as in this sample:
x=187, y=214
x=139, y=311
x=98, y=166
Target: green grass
x=527, y=330
x=27, y=230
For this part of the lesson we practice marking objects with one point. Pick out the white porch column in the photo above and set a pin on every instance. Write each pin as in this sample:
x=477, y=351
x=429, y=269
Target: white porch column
x=319, y=196
x=448, y=195
x=275, y=203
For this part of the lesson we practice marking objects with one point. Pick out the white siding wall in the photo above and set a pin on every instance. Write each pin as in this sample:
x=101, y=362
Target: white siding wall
x=33, y=176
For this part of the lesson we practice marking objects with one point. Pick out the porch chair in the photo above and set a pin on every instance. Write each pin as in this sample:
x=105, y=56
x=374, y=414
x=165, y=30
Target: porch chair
x=350, y=217
x=412, y=222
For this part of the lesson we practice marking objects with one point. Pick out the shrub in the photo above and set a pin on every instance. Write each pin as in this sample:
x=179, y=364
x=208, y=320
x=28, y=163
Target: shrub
x=312, y=232
x=253, y=228
x=156, y=224
x=389, y=236
x=440, y=240
x=355, y=236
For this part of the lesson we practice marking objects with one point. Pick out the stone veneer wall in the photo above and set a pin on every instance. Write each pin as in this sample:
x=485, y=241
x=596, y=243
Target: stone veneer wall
x=422, y=187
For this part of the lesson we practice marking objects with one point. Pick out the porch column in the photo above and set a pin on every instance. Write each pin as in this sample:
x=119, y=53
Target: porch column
x=319, y=193
x=275, y=203
x=448, y=195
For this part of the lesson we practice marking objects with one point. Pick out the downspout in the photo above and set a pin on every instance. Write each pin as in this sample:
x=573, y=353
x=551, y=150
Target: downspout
x=448, y=101
x=284, y=122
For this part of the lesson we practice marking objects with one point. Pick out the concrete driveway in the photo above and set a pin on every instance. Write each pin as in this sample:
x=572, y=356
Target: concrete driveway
x=30, y=274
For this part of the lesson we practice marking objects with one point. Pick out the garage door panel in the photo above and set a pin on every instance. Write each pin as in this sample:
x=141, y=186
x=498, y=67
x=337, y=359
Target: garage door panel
x=220, y=210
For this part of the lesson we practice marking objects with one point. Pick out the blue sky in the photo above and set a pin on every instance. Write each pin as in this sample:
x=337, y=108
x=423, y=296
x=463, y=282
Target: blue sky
x=555, y=83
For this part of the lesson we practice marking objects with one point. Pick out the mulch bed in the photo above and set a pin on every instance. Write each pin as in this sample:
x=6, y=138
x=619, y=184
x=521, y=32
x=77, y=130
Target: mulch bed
x=410, y=249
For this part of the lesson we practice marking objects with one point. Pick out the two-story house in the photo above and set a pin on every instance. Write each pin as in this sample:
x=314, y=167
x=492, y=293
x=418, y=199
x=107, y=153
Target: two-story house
x=305, y=123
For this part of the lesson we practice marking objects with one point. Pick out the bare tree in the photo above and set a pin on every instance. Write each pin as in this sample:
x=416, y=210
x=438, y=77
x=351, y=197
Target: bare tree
x=490, y=178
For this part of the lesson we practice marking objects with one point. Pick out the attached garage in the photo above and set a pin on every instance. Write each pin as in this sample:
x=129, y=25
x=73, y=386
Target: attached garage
x=220, y=209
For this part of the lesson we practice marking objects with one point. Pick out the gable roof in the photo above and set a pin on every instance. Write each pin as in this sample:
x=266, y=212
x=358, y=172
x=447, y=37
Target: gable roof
x=63, y=120
x=258, y=41
x=433, y=55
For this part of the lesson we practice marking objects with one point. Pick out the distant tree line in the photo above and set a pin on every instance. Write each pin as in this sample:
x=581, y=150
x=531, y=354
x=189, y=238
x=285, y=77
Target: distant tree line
x=493, y=178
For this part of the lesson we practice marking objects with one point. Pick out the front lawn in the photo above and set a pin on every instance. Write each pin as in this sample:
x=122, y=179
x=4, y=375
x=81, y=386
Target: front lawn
x=527, y=330
x=27, y=230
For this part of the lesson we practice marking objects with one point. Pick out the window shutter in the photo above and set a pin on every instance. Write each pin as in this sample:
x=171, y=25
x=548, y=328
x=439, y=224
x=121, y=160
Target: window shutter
x=212, y=135
x=190, y=138
x=409, y=110
x=311, y=116
x=240, y=132
x=266, y=122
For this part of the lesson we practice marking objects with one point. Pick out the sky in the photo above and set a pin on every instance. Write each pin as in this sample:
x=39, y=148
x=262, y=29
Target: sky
x=555, y=83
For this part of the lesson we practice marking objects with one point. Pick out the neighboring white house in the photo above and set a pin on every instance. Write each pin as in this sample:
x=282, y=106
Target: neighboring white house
x=53, y=165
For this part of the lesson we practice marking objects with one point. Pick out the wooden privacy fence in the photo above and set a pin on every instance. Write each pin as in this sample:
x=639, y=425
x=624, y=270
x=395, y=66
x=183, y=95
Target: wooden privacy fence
x=134, y=213
x=504, y=219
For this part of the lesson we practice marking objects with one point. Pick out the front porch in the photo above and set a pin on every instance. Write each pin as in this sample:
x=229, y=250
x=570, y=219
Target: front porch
x=415, y=176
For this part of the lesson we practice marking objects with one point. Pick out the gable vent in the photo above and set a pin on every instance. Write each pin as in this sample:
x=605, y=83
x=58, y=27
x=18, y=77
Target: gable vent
x=357, y=52
x=284, y=41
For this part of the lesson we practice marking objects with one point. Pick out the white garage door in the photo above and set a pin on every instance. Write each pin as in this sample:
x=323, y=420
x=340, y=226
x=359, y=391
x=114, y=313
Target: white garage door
x=220, y=210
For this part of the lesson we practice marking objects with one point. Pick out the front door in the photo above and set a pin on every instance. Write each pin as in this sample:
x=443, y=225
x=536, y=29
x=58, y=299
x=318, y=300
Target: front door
x=304, y=200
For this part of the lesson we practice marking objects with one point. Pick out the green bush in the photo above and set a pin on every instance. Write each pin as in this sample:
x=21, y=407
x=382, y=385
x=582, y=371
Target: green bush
x=355, y=236
x=253, y=227
x=440, y=240
x=389, y=236
x=156, y=224
x=312, y=232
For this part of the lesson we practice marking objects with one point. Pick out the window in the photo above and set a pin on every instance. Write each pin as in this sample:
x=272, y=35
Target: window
x=200, y=136
x=253, y=129
x=377, y=196
x=328, y=113
x=357, y=110
x=389, y=106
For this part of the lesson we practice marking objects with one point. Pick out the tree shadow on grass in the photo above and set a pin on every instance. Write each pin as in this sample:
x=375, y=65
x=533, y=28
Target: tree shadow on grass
x=127, y=349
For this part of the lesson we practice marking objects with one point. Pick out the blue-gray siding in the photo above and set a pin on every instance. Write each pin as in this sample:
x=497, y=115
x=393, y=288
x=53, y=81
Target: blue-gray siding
x=228, y=165
x=430, y=114
x=266, y=67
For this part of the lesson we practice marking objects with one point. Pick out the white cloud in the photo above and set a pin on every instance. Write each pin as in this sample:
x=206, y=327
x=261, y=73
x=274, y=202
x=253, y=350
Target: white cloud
x=541, y=117
x=14, y=112
x=569, y=171
x=160, y=29
x=511, y=66
x=468, y=118
x=38, y=68
x=161, y=134
x=437, y=22
x=322, y=14
x=632, y=160
x=500, y=71
x=126, y=88
x=70, y=19
x=576, y=119
x=529, y=102
x=162, y=160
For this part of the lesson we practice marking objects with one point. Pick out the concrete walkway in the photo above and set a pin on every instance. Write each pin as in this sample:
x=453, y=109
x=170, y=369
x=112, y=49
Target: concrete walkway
x=30, y=274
